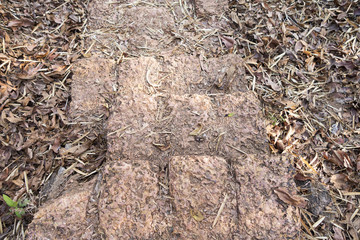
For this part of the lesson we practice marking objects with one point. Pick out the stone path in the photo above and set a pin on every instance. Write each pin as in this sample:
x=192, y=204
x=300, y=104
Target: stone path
x=187, y=150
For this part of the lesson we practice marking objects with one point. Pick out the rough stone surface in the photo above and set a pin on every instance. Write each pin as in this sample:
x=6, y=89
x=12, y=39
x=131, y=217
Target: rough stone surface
x=181, y=74
x=261, y=215
x=213, y=7
x=130, y=205
x=155, y=26
x=157, y=127
x=63, y=217
x=91, y=78
x=185, y=136
x=140, y=200
x=199, y=186
x=136, y=28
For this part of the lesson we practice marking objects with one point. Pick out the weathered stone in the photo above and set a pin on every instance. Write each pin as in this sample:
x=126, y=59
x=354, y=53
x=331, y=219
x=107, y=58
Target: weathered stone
x=199, y=187
x=261, y=216
x=135, y=28
x=130, y=204
x=91, y=78
x=63, y=217
x=156, y=127
x=182, y=75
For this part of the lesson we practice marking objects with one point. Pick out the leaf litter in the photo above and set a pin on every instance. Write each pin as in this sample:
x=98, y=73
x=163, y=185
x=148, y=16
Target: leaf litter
x=303, y=60
x=301, y=57
x=39, y=42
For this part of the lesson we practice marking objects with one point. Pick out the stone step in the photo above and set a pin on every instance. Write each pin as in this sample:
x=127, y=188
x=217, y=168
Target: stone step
x=261, y=214
x=137, y=202
x=92, y=79
x=131, y=203
x=203, y=195
x=64, y=217
x=96, y=80
x=182, y=74
x=152, y=27
x=156, y=127
x=193, y=197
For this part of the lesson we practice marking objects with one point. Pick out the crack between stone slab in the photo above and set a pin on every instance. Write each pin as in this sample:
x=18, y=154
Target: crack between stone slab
x=232, y=173
x=92, y=210
x=164, y=190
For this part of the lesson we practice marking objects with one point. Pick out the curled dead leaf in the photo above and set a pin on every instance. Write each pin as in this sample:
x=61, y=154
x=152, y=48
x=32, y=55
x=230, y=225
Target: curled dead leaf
x=162, y=147
x=288, y=198
x=31, y=73
x=339, y=158
x=300, y=177
x=197, y=130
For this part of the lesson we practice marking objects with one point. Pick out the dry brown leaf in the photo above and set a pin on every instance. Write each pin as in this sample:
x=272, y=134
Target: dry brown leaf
x=288, y=198
x=343, y=158
x=300, y=177
x=31, y=73
x=162, y=147
x=76, y=150
x=228, y=41
x=20, y=23
x=342, y=182
x=56, y=145
x=338, y=234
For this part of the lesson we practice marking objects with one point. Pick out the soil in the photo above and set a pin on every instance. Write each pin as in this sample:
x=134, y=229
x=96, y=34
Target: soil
x=187, y=151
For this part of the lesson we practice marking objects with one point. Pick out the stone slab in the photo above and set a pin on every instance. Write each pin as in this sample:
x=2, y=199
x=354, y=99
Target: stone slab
x=261, y=214
x=182, y=74
x=130, y=205
x=153, y=128
x=199, y=187
x=63, y=217
x=92, y=79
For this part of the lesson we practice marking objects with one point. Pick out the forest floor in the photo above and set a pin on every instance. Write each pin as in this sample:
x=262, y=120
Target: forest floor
x=85, y=83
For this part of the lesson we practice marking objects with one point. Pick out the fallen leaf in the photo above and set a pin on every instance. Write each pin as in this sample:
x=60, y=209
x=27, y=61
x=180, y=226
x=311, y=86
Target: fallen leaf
x=338, y=234
x=162, y=147
x=286, y=197
x=31, y=73
x=342, y=182
x=290, y=132
x=197, y=215
x=76, y=150
x=21, y=23
x=298, y=46
x=344, y=158
x=228, y=41
x=56, y=145
x=301, y=177
x=197, y=130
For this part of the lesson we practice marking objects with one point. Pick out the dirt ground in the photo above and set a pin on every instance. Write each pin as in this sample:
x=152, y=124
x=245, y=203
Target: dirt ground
x=167, y=119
